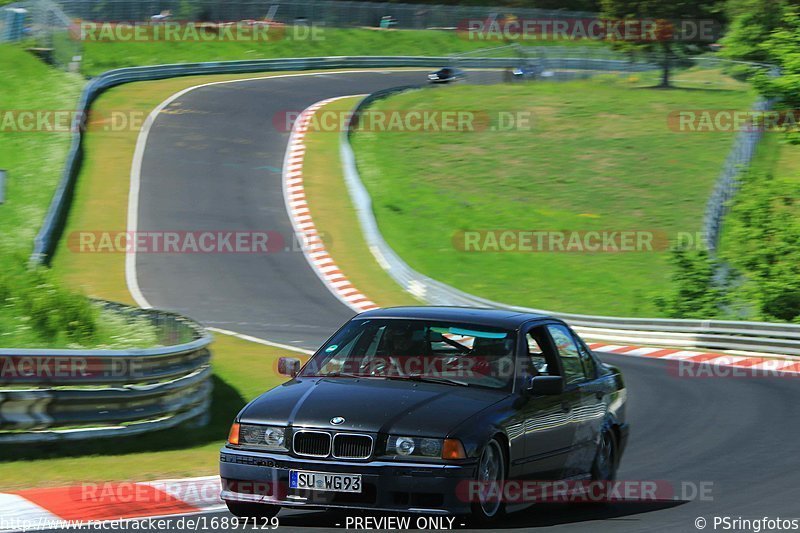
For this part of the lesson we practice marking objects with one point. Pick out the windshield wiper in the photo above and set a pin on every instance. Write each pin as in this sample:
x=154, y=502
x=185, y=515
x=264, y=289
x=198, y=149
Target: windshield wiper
x=337, y=374
x=429, y=379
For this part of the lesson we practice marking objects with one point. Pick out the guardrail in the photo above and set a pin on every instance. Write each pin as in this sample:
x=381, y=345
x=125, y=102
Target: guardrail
x=48, y=395
x=45, y=242
x=707, y=334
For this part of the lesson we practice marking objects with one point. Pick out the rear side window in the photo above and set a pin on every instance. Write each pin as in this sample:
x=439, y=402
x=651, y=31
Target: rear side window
x=568, y=352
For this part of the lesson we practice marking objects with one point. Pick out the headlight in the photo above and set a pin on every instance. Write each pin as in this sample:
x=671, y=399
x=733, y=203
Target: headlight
x=414, y=446
x=266, y=437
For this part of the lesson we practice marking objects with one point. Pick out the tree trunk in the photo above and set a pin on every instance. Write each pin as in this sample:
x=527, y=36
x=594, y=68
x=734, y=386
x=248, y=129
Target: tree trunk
x=666, y=65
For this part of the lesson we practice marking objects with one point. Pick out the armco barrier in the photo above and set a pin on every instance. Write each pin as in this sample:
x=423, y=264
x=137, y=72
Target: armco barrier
x=48, y=395
x=708, y=334
x=51, y=230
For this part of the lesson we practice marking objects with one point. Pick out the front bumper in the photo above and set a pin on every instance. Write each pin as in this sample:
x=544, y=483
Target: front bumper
x=260, y=477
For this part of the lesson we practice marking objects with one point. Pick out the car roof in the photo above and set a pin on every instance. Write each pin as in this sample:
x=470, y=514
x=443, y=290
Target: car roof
x=499, y=318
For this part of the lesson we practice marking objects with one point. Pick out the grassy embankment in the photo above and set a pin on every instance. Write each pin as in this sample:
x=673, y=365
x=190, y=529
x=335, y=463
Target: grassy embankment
x=600, y=155
x=36, y=309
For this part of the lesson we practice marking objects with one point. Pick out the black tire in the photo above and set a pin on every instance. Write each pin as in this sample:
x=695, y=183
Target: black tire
x=252, y=510
x=491, y=468
x=604, y=466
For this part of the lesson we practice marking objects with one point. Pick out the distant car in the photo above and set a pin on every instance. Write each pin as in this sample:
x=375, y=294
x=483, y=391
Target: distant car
x=446, y=75
x=530, y=71
x=402, y=407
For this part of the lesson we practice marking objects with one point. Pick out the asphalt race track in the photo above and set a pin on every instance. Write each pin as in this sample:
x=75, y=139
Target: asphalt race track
x=212, y=162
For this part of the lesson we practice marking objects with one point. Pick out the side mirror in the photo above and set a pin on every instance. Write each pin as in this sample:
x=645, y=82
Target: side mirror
x=546, y=385
x=288, y=366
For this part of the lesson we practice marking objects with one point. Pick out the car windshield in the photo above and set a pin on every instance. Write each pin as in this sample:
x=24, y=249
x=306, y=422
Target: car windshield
x=456, y=354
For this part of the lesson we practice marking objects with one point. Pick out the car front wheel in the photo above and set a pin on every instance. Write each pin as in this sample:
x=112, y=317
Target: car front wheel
x=491, y=475
x=604, y=467
x=252, y=510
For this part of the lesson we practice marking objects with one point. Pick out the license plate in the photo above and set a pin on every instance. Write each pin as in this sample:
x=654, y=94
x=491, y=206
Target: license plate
x=324, y=481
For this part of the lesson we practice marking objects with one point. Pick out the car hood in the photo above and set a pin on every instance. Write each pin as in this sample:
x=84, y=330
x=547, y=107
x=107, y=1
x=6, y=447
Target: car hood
x=370, y=405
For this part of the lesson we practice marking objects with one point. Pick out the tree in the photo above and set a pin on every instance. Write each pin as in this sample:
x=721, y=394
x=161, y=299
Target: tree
x=752, y=24
x=763, y=239
x=683, y=26
x=782, y=48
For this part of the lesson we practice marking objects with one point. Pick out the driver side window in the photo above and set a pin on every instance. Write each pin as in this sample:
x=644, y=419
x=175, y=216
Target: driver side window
x=536, y=356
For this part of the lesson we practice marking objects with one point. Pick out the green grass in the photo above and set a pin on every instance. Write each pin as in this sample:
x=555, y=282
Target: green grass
x=36, y=309
x=99, y=56
x=34, y=160
x=599, y=156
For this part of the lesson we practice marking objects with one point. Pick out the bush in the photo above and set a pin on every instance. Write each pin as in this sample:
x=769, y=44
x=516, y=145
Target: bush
x=33, y=298
x=696, y=292
x=764, y=236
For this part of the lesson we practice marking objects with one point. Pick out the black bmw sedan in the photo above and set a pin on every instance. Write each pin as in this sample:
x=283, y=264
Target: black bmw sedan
x=428, y=410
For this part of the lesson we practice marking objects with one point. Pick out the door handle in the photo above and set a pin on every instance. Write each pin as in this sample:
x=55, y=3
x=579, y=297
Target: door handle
x=599, y=395
x=566, y=407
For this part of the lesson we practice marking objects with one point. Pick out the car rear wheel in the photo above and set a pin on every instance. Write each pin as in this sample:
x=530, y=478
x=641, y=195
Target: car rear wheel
x=252, y=510
x=492, y=475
